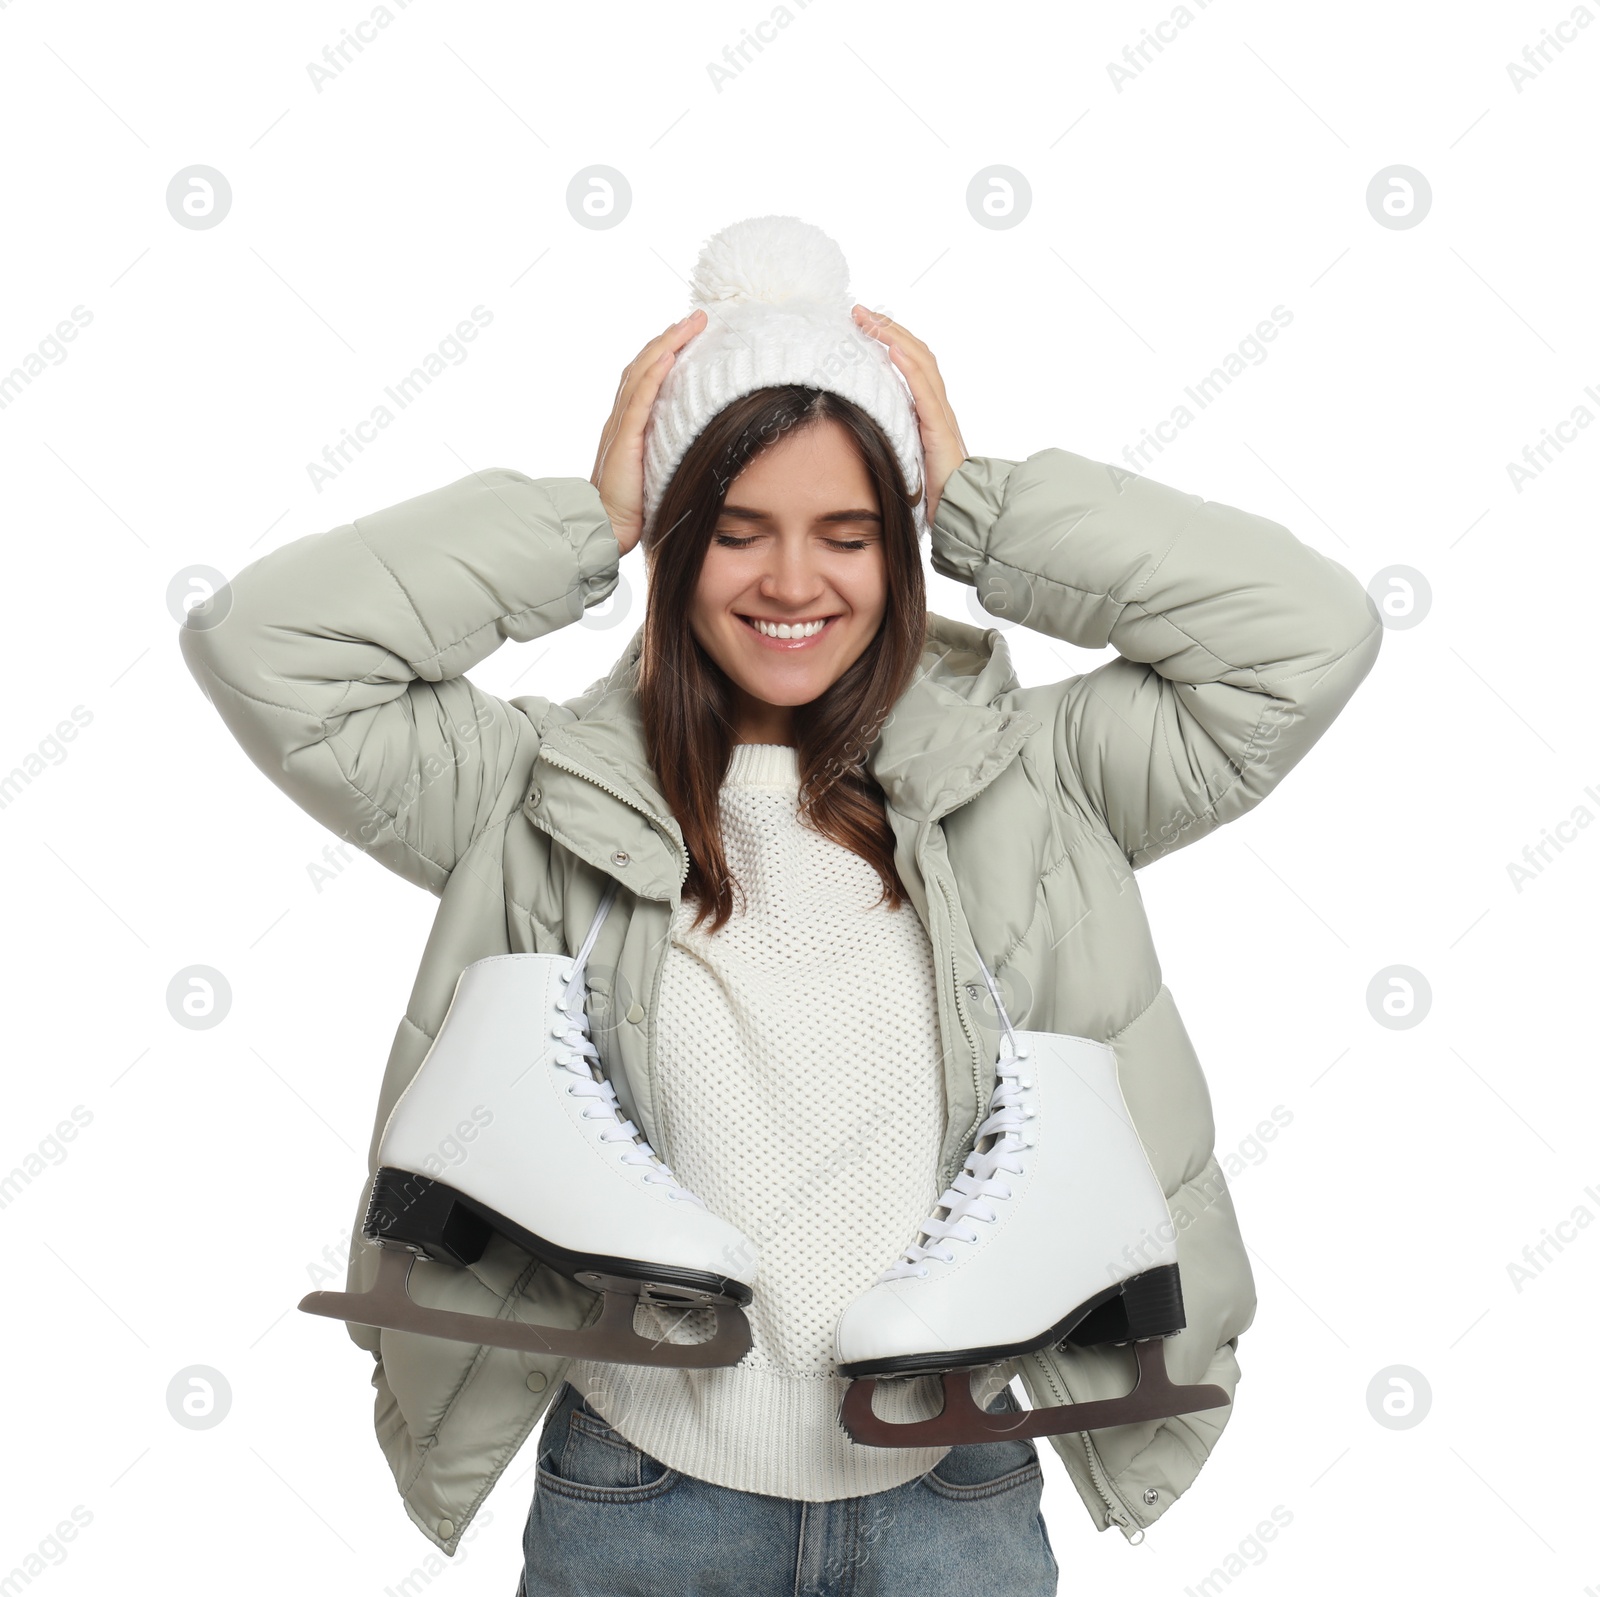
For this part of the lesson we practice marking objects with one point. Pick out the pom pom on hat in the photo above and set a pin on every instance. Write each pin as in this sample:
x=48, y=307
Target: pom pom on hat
x=776, y=292
x=774, y=260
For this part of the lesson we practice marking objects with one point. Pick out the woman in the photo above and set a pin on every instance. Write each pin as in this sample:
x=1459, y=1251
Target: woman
x=824, y=844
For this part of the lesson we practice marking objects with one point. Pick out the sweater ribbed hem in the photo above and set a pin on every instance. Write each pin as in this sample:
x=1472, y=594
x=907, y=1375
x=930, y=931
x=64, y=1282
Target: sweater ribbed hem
x=763, y=765
x=769, y=1431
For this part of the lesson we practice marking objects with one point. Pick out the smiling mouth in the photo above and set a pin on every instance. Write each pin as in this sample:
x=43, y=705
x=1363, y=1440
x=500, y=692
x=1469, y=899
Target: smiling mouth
x=800, y=630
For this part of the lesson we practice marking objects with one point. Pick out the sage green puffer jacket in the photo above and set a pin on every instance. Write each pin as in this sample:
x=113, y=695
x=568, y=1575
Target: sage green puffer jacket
x=1019, y=814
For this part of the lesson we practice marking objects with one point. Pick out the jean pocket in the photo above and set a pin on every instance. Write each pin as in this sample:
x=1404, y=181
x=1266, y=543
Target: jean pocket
x=598, y=1464
x=983, y=1469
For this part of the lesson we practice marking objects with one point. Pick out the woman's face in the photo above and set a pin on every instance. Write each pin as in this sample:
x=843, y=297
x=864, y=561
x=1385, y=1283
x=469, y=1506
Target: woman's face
x=799, y=539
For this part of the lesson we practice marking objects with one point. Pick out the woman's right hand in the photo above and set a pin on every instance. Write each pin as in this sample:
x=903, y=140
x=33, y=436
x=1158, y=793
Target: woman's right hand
x=619, y=462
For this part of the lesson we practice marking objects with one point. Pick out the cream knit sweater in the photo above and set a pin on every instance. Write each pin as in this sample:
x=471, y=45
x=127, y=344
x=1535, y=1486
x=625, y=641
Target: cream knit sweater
x=801, y=1097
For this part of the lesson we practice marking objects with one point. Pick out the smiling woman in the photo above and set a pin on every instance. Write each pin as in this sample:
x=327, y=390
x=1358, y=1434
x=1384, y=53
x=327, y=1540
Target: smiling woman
x=789, y=509
x=786, y=608
x=908, y=826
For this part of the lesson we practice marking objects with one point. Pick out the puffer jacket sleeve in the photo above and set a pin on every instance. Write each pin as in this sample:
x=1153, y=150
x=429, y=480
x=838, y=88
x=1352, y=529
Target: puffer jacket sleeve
x=1237, y=643
x=337, y=659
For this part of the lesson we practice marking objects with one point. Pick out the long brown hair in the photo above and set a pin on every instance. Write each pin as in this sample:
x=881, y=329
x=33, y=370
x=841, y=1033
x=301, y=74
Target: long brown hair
x=686, y=700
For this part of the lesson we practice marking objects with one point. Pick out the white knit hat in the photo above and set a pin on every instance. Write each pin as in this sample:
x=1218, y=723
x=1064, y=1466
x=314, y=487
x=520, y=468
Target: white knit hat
x=776, y=292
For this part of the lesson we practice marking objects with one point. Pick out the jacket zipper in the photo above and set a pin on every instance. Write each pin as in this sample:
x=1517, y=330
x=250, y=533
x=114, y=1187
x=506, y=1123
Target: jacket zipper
x=1114, y=1510
x=973, y=1052
x=683, y=873
x=546, y=753
x=1116, y=1513
x=961, y=1015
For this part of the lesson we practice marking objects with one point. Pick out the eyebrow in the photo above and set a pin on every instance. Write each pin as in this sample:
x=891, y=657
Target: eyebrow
x=747, y=513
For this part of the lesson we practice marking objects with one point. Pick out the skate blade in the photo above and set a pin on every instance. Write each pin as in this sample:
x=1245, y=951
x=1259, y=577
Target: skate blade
x=611, y=1338
x=663, y=1295
x=1153, y=1397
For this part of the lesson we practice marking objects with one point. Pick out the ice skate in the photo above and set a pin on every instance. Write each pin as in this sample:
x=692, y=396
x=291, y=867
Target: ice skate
x=554, y=1167
x=1030, y=1247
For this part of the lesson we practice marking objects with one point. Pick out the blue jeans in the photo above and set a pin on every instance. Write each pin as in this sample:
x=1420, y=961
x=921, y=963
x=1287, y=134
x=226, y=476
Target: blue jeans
x=610, y=1521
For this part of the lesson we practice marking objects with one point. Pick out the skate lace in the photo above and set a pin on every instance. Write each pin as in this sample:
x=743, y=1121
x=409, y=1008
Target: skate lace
x=998, y=1146
x=582, y=1063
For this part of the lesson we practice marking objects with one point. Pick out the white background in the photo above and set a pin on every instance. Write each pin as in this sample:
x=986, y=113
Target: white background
x=1169, y=214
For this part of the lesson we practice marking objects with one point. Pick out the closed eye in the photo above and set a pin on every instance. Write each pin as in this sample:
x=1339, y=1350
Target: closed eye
x=726, y=540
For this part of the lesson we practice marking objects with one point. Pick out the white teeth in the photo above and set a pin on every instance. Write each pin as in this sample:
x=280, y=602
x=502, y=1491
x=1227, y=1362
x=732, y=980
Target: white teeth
x=782, y=629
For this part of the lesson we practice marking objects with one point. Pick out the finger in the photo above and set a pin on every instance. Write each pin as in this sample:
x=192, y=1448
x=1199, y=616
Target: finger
x=650, y=381
x=916, y=363
x=639, y=383
x=886, y=326
x=927, y=385
x=643, y=368
x=931, y=401
x=632, y=413
x=673, y=337
x=927, y=389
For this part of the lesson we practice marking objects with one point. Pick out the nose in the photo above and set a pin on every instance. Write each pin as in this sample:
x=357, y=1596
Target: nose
x=791, y=578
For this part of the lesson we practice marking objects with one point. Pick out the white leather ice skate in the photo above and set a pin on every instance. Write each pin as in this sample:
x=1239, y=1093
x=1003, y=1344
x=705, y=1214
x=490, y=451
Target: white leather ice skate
x=1056, y=1229
x=554, y=1166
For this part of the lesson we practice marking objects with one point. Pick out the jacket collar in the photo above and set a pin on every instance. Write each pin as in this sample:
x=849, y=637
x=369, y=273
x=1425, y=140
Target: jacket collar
x=943, y=742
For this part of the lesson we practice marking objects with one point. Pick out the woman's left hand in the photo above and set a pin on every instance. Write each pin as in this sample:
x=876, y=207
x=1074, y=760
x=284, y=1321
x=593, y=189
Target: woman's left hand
x=942, y=446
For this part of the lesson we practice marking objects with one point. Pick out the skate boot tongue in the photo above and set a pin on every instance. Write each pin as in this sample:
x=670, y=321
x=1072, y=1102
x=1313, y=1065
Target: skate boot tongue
x=999, y=1145
x=582, y=1061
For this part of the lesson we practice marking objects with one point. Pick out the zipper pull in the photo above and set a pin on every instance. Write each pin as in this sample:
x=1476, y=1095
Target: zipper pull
x=1120, y=1519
